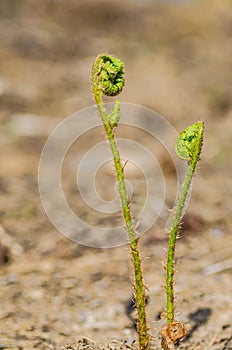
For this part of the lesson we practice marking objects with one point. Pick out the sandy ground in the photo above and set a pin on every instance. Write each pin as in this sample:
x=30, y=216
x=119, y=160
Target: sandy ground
x=54, y=291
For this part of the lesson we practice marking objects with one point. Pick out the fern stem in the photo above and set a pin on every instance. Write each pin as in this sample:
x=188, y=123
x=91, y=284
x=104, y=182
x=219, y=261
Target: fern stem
x=103, y=79
x=190, y=143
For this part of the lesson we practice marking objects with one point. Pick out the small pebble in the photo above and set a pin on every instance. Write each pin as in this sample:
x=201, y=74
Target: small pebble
x=12, y=279
x=217, y=232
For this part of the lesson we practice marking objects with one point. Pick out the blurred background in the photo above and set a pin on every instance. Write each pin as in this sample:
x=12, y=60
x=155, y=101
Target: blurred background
x=177, y=58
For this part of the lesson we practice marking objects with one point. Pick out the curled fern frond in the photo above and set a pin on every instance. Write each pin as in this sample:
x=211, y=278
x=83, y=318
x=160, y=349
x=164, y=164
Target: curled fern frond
x=189, y=141
x=108, y=74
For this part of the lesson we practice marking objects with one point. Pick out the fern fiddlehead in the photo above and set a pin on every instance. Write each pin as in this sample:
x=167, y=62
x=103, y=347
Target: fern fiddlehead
x=188, y=147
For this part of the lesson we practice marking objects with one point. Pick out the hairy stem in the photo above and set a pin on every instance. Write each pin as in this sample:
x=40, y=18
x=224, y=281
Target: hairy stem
x=107, y=79
x=188, y=147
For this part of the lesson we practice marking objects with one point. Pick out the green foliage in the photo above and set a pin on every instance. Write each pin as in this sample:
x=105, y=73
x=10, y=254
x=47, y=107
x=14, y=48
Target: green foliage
x=186, y=141
x=109, y=75
x=114, y=115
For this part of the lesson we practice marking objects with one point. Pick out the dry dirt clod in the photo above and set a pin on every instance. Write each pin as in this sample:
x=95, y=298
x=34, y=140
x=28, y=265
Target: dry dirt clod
x=5, y=255
x=172, y=333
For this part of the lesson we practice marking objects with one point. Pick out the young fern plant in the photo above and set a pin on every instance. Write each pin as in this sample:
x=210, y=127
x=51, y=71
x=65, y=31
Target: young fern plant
x=107, y=79
x=188, y=147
